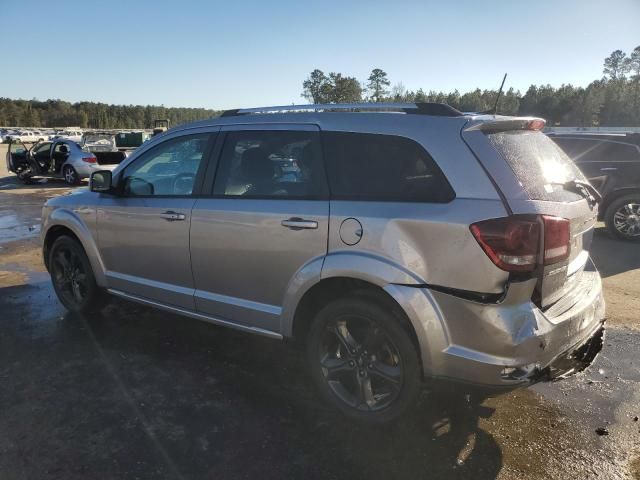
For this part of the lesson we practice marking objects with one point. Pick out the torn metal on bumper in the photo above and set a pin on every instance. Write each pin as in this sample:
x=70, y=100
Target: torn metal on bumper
x=574, y=361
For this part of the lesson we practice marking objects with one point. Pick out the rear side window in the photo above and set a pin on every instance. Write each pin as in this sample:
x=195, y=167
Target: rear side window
x=271, y=164
x=364, y=166
x=539, y=164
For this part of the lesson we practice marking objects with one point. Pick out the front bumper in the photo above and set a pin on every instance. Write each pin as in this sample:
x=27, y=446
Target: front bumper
x=509, y=344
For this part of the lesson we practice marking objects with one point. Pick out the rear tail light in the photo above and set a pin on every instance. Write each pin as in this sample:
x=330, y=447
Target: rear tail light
x=90, y=159
x=557, y=239
x=513, y=243
x=510, y=242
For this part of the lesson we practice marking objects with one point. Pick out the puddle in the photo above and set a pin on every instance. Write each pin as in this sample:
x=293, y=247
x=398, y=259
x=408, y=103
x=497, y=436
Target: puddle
x=606, y=396
x=20, y=222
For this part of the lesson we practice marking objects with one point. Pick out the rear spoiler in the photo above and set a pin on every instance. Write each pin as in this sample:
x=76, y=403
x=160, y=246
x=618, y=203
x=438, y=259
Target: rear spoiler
x=492, y=124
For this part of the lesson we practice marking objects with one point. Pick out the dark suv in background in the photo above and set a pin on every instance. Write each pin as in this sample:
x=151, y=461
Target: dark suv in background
x=611, y=162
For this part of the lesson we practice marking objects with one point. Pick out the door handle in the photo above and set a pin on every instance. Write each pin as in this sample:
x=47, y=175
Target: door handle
x=171, y=216
x=296, y=223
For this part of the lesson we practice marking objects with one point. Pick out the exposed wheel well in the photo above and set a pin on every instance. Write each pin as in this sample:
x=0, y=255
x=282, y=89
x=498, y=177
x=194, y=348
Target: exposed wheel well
x=340, y=287
x=52, y=235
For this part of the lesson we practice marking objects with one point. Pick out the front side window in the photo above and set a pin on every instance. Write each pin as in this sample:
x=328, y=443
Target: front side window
x=167, y=169
x=363, y=166
x=271, y=164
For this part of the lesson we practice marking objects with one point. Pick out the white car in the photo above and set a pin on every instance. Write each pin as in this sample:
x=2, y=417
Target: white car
x=26, y=136
x=73, y=135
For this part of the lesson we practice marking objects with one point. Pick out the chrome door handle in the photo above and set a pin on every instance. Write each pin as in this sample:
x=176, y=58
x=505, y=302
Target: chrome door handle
x=171, y=216
x=296, y=223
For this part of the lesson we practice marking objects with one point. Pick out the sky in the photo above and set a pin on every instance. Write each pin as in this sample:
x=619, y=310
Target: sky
x=229, y=54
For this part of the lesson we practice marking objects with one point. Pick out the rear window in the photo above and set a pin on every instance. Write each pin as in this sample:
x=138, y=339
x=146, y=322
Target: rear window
x=539, y=164
x=364, y=166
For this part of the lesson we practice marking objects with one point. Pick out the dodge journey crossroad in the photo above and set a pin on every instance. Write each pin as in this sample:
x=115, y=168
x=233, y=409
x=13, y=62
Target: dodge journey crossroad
x=400, y=244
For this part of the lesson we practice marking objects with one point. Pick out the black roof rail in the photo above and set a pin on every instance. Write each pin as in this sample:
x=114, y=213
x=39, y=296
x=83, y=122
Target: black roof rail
x=436, y=109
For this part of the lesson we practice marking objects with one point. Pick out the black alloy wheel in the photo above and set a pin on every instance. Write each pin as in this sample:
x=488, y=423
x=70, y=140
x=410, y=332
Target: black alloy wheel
x=363, y=360
x=72, y=277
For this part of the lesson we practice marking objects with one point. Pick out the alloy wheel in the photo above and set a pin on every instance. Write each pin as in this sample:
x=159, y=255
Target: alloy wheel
x=626, y=220
x=69, y=275
x=69, y=175
x=361, y=365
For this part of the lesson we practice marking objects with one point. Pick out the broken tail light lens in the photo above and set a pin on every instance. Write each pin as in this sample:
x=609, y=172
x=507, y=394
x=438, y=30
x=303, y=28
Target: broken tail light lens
x=513, y=243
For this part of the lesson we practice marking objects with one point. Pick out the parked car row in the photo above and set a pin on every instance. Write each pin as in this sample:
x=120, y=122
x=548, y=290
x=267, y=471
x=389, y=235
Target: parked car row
x=32, y=136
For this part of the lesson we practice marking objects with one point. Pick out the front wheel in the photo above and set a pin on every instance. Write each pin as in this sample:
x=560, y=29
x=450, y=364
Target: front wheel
x=70, y=175
x=622, y=217
x=25, y=178
x=363, y=360
x=72, y=277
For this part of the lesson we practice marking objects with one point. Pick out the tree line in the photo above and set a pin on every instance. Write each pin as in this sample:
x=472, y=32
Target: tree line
x=613, y=100
x=58, y=113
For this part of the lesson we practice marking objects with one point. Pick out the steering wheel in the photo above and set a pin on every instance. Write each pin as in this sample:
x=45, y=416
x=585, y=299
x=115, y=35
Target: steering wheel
x=183, y=183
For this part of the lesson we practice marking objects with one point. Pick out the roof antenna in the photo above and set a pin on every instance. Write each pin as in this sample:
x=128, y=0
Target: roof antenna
x=494, y=110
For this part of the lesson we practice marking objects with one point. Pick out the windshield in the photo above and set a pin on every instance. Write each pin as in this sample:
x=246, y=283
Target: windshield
x=540, y=165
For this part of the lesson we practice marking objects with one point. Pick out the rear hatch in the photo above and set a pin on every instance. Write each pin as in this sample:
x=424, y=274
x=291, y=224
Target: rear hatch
x=540, y=182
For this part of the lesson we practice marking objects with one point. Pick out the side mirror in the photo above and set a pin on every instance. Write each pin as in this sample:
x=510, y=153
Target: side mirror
x=100, y=181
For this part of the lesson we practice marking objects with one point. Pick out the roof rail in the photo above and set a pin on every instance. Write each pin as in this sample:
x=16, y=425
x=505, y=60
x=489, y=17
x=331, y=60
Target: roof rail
x=437, y=109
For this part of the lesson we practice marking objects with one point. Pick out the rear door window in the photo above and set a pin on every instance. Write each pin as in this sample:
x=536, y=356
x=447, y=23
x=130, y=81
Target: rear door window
x=540, y=165
x=364, y=166
x=274, y=164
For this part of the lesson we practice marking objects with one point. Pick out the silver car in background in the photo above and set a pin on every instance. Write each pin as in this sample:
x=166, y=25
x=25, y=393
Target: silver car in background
x=400, y=243
x=60, y=158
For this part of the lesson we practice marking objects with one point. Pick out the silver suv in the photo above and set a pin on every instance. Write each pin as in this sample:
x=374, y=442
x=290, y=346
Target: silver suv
x=401, y=243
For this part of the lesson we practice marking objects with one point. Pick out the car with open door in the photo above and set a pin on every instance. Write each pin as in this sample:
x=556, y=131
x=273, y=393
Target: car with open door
x=60, y=158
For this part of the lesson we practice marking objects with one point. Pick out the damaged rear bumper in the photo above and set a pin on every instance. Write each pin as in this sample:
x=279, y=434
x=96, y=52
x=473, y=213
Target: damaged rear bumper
x=506, y=345
x=573, y=361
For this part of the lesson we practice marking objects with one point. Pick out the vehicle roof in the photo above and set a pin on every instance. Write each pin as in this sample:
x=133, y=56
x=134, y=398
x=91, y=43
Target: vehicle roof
x=343, y=121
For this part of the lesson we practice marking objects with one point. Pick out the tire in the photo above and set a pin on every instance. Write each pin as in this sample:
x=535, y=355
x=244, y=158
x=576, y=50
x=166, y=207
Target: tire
x=72, y=277
x=26, y=179
x=70, y=175
x=622, y=218
x=363, y=361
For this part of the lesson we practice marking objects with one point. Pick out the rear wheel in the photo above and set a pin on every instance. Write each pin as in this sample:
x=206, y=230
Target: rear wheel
x=622, y=217
x=363, y=360
x=72, y=277
x=70, y=175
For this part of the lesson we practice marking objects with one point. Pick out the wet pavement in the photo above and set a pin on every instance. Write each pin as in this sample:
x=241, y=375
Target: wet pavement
x=137, y=393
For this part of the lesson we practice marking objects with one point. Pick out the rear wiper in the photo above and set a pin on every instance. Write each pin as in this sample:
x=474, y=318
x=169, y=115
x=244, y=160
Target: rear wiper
x=585, y=188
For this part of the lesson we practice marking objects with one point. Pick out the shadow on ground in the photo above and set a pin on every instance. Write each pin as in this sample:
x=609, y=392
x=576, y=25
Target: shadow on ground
x=612, y=256
x=134, y=392
x=12, y=182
